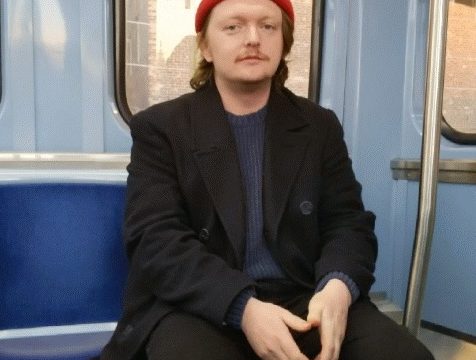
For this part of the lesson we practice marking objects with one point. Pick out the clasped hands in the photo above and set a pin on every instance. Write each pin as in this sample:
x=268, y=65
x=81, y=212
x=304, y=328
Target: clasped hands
x=267, y=326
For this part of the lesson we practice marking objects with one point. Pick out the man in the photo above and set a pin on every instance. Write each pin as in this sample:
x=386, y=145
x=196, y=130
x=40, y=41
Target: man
x=245, y=230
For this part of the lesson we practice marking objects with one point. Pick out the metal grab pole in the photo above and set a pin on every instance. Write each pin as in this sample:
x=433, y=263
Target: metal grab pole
x=429, y=160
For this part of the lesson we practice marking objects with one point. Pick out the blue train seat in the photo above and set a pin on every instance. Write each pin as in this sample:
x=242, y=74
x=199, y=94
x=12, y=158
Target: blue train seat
x=62, y=269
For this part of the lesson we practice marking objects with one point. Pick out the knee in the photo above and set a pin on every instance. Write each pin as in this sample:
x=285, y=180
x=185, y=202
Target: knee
x=181, y=336
x=422, y=354
x=414, y=350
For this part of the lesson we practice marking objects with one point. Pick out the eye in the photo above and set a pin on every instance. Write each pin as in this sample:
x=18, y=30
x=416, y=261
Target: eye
x=268, y=27
x=232, y=28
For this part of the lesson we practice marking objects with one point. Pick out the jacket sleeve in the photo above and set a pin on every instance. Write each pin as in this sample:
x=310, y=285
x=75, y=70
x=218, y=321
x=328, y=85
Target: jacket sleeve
x=346, y=229
x=165, y=253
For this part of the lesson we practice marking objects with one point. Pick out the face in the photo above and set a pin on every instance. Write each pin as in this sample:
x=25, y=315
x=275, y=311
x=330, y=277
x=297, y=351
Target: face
x=244, y=41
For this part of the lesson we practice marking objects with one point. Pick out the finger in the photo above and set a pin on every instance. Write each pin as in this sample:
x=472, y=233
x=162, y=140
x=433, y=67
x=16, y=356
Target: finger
x=314, y=318
x=328, y=354
x=315, y=311
x=295, y=322
x=330, y=344
x=291, y=350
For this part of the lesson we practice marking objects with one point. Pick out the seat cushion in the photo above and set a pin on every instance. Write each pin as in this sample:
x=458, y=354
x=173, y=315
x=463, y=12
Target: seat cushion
x=54, y=347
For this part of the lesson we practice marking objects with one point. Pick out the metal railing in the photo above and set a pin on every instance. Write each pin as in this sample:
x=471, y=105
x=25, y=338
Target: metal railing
x=430, y=160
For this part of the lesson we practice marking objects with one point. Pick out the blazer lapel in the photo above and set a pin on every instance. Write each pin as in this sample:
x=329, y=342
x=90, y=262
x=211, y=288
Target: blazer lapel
x=219, y=166
x=286, y=141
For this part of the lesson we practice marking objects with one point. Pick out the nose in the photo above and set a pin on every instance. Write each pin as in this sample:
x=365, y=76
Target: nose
x=252, y=36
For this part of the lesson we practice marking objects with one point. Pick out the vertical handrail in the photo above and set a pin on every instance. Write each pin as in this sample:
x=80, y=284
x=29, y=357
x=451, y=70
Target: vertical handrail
x=429, y=160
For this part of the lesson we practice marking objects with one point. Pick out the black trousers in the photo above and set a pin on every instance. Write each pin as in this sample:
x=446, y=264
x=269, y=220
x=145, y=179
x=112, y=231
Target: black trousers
x=370, y=334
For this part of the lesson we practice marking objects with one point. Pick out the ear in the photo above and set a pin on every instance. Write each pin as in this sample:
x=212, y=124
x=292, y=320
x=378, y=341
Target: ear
x=205, y=49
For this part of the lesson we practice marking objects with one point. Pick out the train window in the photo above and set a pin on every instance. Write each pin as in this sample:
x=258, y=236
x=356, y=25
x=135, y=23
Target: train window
x=1, y=58
x=459, y=98
x=156, y=51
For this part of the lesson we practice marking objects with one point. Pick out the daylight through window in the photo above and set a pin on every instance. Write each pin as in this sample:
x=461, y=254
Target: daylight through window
x=161, y=50
x=459, y=100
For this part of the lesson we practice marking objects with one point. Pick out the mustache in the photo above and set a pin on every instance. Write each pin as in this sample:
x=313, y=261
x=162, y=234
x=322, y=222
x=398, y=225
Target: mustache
x=252, y=56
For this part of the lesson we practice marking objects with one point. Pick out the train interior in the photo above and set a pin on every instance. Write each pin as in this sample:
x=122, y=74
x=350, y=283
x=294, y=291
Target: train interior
x=70, y=79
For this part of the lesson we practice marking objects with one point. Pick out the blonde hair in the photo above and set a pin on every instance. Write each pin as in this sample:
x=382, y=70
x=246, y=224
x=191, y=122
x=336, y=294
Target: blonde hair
x=204, y=69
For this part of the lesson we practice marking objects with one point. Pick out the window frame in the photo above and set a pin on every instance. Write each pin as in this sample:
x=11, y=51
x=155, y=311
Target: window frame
x=119, y=9
x=456, y=136
x=1, y=51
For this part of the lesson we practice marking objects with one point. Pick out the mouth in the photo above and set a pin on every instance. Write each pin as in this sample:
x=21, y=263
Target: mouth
x=252, y=58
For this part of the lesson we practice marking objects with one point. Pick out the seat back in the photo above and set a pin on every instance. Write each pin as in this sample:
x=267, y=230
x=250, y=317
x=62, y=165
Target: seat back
x=61, y=254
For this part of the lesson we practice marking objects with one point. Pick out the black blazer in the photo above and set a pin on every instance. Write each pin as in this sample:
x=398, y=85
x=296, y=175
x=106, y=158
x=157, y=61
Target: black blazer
x=185, y=215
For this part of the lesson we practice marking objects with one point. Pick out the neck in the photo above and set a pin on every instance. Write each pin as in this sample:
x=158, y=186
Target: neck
x=243, y=98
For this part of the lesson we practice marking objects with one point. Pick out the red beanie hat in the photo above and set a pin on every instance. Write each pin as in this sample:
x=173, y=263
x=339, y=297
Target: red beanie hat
x=206, y=6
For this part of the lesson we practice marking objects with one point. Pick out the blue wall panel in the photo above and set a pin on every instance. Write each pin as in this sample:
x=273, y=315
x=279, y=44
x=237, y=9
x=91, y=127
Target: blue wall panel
x=57, y=78
x=373, y=76
x=363, y=41
x=451, y=290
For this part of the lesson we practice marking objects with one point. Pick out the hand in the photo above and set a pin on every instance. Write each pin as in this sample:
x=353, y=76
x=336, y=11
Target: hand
x=266, y=327
x=328, y=311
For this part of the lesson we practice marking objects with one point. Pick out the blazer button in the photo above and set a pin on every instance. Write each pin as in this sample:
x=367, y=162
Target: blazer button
x=306, y=207
x=203, y=235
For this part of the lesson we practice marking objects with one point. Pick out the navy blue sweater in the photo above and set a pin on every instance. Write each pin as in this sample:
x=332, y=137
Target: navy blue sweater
x=259, y=264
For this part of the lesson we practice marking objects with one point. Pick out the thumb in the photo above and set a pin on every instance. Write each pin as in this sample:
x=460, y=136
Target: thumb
x=314, y=318
x=295, y=322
